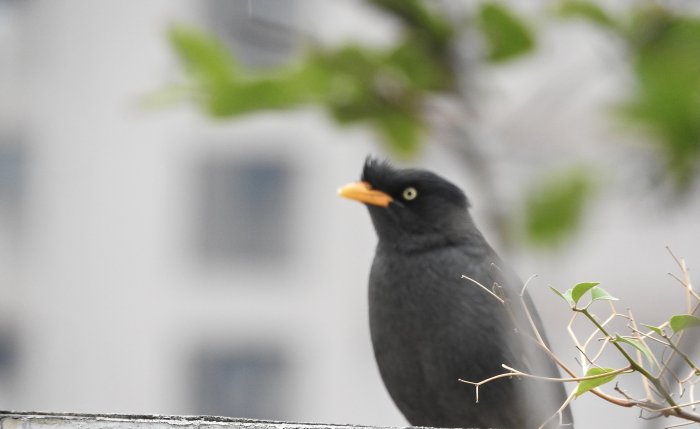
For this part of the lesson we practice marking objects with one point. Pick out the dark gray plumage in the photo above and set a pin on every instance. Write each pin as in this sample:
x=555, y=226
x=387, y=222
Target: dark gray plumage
x=429, y=326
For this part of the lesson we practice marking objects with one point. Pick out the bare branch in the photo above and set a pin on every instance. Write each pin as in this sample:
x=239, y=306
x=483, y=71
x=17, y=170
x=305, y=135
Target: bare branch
x=659, y=400
x=484, y=288
x=687, y=404
x=529, y=316
x=686, y=275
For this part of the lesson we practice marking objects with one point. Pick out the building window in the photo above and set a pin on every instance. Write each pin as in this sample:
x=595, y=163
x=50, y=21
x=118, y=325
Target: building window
x=259, y=32
x=245, y=210
x=249, y=384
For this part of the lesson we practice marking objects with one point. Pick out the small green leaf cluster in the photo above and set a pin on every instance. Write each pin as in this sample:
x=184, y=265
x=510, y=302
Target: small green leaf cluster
x=580, y=297
x=507, y=36
x=574, y=295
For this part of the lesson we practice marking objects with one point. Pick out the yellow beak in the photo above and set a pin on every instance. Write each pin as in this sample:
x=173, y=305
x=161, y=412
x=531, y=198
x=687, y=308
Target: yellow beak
x=363, y=192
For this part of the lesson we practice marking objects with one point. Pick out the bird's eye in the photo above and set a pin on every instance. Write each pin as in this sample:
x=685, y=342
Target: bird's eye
x=410, y=193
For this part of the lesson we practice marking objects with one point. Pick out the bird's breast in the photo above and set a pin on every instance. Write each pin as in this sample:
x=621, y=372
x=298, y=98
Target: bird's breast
x=422, y=301
x=430, y=328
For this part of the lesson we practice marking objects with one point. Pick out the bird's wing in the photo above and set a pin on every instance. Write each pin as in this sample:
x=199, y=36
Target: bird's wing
x=533, y=347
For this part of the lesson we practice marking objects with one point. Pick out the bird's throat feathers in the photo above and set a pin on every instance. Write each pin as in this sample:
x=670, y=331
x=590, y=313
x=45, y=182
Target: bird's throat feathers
x=412, y=235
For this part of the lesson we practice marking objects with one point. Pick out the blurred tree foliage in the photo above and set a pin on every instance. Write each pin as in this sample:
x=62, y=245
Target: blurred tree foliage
x=664, y=50
x=388, y=89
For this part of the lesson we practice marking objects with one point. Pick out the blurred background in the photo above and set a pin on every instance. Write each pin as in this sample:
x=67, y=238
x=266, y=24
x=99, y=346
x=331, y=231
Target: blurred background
x=170, y=237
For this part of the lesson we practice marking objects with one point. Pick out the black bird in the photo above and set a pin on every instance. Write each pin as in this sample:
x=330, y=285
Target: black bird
x=430, y=327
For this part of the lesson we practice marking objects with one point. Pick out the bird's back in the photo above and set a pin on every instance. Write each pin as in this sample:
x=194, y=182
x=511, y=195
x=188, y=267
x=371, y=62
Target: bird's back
x=430, y=328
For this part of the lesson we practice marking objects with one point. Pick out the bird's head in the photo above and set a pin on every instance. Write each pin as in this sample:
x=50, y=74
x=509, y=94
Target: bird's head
x=411, y=207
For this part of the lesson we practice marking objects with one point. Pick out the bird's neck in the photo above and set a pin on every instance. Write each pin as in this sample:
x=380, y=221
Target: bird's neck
x=470, y=238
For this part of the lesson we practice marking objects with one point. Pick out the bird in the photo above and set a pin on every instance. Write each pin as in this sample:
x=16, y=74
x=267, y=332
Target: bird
x=431, y=328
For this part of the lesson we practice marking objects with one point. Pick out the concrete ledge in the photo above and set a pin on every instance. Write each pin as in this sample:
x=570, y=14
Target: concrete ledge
x=41, y=420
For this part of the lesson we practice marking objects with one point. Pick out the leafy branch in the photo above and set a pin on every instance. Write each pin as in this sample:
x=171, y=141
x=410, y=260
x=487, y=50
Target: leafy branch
x=649, y=354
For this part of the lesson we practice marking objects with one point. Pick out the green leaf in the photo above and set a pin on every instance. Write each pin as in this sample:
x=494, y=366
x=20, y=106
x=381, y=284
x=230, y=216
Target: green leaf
x=412, y=60
x=566, y=296
x=665, y=53
x=252, y=97
x=554, y=206
x=580, y=289
x=683, y=321
x=506, y=35
x=586, y=10
x=586, y=385
x=203, y=56
x=358, y=80
x=224, y=89
x=399, y=131
x=637, y=344
x=655, y=329
x=598, y=293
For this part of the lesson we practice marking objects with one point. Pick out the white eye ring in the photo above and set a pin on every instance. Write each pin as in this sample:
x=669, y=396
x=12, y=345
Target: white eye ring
x=410, y=193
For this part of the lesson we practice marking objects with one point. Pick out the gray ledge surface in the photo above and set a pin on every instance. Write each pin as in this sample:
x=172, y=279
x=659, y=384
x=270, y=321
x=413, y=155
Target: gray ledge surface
x=43, y=420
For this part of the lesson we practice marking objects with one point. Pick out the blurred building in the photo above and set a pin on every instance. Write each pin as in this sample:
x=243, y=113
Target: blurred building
x=154, y=261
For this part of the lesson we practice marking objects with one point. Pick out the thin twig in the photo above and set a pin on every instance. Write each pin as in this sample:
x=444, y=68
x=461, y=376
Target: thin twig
x=686, y=275
x=560, y=411
x=633, y=324
x=687, y=404
x=685, y=286
x=484, y=288
x=533, y=326
x=512, y=372
x=679, y=425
